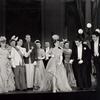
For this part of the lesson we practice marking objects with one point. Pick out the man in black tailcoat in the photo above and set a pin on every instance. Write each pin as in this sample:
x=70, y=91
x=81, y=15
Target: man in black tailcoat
x=80, y=60
x=95, y=48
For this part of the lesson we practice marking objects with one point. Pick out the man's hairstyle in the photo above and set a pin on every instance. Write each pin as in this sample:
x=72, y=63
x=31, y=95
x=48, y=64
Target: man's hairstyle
x=78, y=39
x=96, y=33
x=66, y=42
x=27, y=35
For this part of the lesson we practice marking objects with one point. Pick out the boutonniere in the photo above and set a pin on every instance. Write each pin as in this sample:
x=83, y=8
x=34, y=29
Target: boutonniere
x=84, y=48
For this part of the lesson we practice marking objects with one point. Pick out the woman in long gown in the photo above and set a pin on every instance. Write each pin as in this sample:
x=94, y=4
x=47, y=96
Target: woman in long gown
x=39, y=67
x=6, y=75
x=55, y=68
x=69, y=71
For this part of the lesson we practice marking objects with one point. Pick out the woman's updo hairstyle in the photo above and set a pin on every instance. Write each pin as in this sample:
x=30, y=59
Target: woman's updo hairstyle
x=55, y=38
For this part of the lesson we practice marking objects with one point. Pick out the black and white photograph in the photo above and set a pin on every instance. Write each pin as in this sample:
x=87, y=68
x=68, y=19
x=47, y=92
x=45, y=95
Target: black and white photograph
x=50, y=48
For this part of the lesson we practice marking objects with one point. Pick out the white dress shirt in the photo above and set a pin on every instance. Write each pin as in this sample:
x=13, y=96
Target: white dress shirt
x=47, y=53
x=96, y=47
x=79, y=51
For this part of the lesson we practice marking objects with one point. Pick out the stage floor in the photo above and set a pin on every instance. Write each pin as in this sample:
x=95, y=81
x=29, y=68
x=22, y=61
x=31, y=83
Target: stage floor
x=31, y=95
x=38, y=92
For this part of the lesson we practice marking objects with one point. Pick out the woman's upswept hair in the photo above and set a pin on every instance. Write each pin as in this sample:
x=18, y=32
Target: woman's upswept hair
x=66, y=42
x=53, y=42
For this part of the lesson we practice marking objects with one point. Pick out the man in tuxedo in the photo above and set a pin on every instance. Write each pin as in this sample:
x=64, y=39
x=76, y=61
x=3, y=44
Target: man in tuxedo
x=80, y=60
x=95, y=48
x=47, y=56
x=29, y=61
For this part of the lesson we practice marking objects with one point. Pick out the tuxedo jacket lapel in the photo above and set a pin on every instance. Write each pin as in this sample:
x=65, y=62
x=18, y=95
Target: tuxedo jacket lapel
x=82, y=51
x=99, y=45
x=92, y=47
x=76, y=52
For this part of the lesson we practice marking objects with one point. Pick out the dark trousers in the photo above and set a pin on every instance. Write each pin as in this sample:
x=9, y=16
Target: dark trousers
x=45, y=62
x=20, y=77
x=75, y=71
x=97, y=65
x=89, y=71
x=82, y=76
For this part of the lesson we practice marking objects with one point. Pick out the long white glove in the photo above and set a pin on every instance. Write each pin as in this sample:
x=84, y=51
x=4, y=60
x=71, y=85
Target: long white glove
x=35, y=63
x=71, y=61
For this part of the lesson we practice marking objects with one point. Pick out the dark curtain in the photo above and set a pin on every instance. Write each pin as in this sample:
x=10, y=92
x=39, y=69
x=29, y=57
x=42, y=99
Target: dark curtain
x=23, y=18
x=80, y=9
x=72, y=20
x=95, y=12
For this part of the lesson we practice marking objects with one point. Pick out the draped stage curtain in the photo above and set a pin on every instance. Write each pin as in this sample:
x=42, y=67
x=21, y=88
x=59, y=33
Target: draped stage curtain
x=22, y=18
x=80, y=4
x=51, y=16
x=95, y=8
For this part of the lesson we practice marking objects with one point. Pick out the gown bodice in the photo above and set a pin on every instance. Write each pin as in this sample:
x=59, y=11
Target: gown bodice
x=4, y=54
x=40, y=53
x=56, y=52
x=67, y=54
